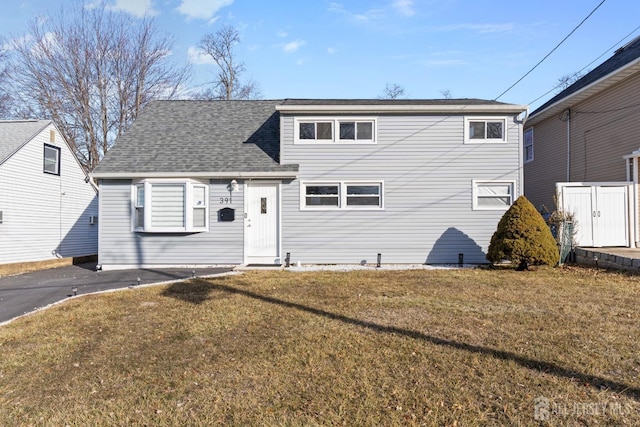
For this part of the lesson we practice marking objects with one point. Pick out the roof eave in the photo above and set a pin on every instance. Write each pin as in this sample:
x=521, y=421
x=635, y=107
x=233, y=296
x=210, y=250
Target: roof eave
x=405, y=108
x=586, y=92
x=210, y=175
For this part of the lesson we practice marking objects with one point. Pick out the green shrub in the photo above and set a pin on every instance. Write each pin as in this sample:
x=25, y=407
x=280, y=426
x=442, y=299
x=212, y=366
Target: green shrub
x=523, y=237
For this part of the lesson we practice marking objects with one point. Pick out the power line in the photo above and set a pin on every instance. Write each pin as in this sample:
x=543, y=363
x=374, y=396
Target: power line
x=552, y=50
x=588, y=65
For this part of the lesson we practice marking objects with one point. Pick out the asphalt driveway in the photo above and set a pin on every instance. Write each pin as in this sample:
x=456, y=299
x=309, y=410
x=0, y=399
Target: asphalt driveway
x=27, y=292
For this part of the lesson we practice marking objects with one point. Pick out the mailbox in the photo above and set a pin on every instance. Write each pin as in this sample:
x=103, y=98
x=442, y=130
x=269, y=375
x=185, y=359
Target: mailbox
x=226, y=215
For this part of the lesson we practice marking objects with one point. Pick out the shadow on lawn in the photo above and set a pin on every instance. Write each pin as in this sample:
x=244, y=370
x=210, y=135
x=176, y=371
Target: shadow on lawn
x=198, y=291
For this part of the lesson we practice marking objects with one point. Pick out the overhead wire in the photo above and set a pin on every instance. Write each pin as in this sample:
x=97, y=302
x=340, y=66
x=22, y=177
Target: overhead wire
x=552, y=50
x=588, y=65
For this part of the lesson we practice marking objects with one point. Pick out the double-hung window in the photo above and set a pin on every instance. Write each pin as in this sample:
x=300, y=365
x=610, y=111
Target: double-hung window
x=480, y=130
x=493, y=195
x=341, y=195
x=170, y=206
x=528, y=145
x=335, y=130
x=51, y=159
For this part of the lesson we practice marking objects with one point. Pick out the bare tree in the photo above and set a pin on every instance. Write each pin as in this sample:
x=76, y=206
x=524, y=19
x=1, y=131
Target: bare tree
x=446, y=94
x=91, y=71
x=4, y=88
x=227, y=85
x=567, y=80
x=392, y=91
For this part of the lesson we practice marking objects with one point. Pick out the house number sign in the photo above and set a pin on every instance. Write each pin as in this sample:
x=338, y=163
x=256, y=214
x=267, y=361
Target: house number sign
x=225, y=200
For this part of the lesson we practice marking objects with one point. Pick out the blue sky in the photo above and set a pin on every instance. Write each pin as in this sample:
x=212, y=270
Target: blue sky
x=352, y=49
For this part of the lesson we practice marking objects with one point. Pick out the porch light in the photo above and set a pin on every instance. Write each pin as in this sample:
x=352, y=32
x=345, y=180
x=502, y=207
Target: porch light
x=233, y=186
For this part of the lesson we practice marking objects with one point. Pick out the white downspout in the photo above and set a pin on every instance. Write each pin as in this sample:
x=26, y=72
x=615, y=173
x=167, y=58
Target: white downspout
x=568, y=111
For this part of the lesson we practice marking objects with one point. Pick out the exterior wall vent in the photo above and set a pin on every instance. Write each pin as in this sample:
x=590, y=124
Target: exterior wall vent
x=93, y=219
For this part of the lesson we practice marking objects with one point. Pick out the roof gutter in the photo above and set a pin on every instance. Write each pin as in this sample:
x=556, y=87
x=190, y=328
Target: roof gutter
x=211, y=175
x=408, y=108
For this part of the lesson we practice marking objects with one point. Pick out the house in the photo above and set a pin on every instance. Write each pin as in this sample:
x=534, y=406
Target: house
x=48, y=207
x=581, y=152
x=196, y=183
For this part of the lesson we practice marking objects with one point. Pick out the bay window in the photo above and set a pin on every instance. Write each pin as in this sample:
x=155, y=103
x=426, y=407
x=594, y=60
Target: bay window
x=166, y=206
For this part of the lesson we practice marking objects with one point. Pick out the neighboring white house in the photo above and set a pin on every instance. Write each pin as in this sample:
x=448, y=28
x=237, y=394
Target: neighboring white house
x=199, y=183
x=48, y=208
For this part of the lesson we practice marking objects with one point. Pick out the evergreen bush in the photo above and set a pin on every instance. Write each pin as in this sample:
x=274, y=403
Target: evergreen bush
x=523, y=237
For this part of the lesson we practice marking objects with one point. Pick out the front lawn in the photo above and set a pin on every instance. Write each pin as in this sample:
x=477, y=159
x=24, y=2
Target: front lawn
x=420, y=347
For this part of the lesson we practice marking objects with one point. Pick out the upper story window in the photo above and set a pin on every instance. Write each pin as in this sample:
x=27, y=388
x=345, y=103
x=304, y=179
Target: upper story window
x=316, y=130
x=170, y=206
x=341, y=195
x=332, y=130
x=51, y=159
x=528, y=145
x=481, y=130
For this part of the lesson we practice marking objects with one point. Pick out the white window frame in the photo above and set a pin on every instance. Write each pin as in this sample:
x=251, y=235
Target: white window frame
x=189, y=207
x=528, y=143
x=58, y=152
x=485, y=140
x=335, y=129
x=342, y=196
x=477, y=183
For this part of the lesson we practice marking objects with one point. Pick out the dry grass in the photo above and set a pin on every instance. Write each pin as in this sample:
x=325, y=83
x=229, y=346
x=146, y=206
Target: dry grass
x=460, y=347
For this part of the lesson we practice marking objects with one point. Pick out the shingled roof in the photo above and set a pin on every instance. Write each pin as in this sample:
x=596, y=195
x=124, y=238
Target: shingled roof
x=624, y=62
x=199, y=138
x=14, y=134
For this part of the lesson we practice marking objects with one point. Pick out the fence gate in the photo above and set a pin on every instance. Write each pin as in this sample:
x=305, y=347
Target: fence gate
x=601, y=212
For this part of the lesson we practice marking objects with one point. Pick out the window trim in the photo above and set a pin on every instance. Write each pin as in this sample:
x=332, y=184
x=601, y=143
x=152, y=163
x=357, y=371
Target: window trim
x=335, y=130
x=525, y=145
x=485, y=140
x=189, y=185
x=476, y=183
x=342, y=196
x=44, y=159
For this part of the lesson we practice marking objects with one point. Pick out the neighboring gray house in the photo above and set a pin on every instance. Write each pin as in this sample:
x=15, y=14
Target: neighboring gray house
x=196, y=183
x=48, y=208
x=582, y=150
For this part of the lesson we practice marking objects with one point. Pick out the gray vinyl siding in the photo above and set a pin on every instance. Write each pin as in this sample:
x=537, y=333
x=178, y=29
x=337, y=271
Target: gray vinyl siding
x=427, y=174
x=45, y=216
x=604, y=128
x=121, y=247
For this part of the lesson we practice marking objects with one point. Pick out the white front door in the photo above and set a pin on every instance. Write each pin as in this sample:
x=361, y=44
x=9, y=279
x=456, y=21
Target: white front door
x=262, y=222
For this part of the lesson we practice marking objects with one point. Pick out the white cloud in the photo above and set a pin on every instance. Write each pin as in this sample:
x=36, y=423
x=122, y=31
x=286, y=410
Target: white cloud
x=331, y=50
x=293, y=46
x=282, y=34
x=480, y=28
x=369, y=15
x=197, y=57
x=201, y=9
x=405, y=7
x=138, y=8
